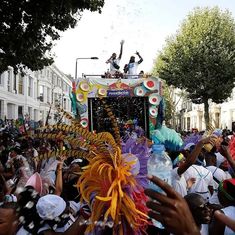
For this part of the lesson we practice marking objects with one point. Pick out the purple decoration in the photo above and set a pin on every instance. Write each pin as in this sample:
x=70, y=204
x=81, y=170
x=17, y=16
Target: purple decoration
x=141, y=150
x=192, y=138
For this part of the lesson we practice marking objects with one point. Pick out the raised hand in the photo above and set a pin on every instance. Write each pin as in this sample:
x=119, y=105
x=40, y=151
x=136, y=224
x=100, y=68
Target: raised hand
x=210, y=140
x=61, y=158
x=170, y=209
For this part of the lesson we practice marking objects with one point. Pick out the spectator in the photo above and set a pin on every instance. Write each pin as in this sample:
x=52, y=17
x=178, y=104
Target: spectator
x=226, y=197
x=200, y=211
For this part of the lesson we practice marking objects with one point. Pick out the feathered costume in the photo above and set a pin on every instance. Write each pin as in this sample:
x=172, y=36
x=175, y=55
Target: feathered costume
x=192, y=138
x=169, y=137
x=112, y=183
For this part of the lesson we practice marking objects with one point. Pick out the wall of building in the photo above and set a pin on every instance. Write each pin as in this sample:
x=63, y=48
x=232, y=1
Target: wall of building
x=32, y=95
x=222, y=115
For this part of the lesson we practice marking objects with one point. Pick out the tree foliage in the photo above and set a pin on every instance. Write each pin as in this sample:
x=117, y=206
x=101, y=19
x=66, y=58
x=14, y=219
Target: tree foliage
x=29, y=27
x=200, y=58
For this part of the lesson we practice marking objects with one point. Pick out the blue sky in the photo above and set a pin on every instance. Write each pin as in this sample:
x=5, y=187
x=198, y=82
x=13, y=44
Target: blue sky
x=143, y=24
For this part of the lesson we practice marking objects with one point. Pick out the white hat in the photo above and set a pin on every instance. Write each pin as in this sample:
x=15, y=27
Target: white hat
x=50, y=206
x=219, y=159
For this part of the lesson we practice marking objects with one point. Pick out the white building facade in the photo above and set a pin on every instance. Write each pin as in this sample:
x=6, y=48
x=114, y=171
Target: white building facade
x=222, y=115
x=33, y=94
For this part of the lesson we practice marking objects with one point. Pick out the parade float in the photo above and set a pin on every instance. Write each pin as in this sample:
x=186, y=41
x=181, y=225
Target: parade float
x=113, y=181
x=130, y=99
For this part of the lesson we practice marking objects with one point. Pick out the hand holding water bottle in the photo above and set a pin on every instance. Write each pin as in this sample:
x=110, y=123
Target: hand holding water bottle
x=160, y=165
x=170, y=209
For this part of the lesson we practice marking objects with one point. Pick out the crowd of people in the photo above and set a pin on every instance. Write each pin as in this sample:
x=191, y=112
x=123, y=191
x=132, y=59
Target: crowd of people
x=39, y=192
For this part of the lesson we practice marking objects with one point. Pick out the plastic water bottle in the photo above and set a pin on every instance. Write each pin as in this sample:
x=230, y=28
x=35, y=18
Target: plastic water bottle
x=160, y=165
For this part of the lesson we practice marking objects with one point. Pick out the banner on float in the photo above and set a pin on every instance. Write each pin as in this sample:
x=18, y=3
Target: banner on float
x=116, y=93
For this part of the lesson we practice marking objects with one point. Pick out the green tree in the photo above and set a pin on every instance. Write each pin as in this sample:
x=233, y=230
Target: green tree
x=29, y=27
x=200, y=58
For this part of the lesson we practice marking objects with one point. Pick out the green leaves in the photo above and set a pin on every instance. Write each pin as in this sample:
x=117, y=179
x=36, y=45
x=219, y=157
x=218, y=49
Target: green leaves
x=200, y=58
x=29, y=27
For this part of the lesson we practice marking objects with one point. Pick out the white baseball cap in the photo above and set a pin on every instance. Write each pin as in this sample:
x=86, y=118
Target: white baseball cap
x=50, y=206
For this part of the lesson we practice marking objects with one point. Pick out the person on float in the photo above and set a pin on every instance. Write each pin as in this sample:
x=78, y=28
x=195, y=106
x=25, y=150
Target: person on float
x=133, y=66
x=114, y=61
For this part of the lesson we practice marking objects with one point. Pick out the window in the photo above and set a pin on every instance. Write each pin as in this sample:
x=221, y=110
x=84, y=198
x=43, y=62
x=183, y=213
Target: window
x=9, y=80
x=20, y=111
x=30, y=87
x=188, y=123
x=48, y=95
x=64, y=103
x=35, y=90
x=55, y=98
x=20, y=85
x=41, y=93
x=30, y=110
x=1, y=109
x=54, y=79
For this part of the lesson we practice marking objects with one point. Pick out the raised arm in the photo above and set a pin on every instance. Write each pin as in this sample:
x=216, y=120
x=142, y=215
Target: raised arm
x=121, y=49
x=141, y=59
x=193, y=156
x=59, y=176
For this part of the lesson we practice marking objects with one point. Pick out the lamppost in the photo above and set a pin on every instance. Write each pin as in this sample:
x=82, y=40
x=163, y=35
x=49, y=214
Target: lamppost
x=83, y=58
